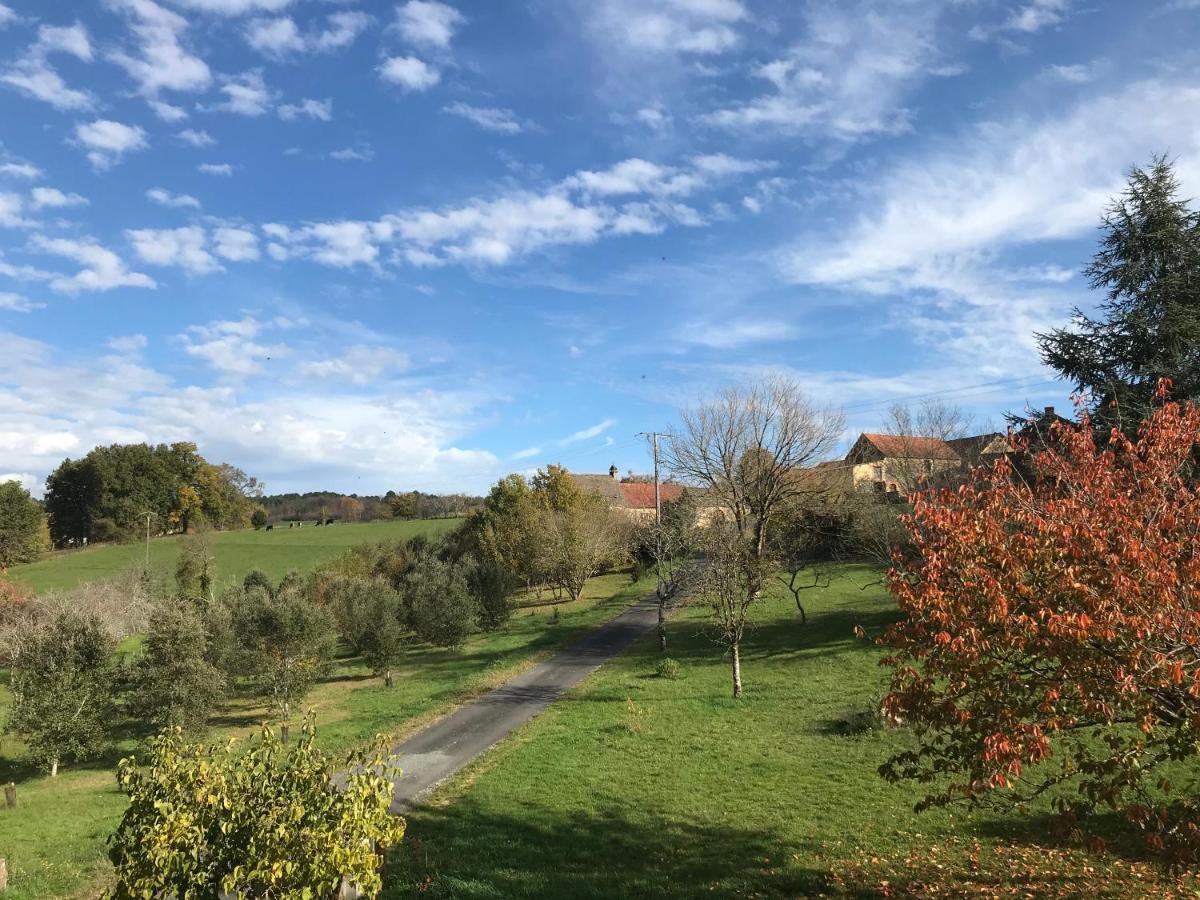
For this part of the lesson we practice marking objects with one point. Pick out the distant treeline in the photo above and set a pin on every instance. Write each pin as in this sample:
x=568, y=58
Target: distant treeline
x=320, y=505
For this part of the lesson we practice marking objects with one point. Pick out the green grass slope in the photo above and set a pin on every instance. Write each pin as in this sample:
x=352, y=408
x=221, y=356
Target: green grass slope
x=237, y=552
x=639, y=786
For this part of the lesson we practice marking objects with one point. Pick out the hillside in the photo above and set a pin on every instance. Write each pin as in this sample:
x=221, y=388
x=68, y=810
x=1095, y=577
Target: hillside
x=237, y=552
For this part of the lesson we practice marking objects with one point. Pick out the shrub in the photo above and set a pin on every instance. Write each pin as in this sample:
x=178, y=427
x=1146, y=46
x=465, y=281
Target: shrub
x=63, y=689
x=667, y=668
x=174, y=682
x=267, y=822
x=441, y=605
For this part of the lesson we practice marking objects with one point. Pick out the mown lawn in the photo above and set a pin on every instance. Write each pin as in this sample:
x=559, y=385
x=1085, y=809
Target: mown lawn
x=54, y=840
x=637, y=786
x=236, y=552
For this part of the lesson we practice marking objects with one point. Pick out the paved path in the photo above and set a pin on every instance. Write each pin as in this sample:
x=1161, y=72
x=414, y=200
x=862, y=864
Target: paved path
x=434, y=754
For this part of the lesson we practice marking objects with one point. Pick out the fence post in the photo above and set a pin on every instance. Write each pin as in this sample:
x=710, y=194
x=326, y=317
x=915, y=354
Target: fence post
x=10, y=795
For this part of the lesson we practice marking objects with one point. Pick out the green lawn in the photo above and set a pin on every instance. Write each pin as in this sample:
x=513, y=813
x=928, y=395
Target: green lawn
x=637, y=786
x=54, y=840
x=237, y=552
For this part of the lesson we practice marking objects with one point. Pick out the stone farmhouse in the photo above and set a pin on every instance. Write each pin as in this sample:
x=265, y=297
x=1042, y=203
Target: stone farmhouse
x=634, y=498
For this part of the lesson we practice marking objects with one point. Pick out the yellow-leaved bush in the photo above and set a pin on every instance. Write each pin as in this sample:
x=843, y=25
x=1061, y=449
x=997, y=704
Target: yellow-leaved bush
x=267, y=820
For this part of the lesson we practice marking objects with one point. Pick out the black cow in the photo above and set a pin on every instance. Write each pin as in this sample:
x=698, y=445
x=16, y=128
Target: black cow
x=270, y=528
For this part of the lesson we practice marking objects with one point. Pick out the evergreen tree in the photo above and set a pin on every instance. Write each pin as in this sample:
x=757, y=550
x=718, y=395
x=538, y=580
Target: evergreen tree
x=1148, y=265
x=175, y=684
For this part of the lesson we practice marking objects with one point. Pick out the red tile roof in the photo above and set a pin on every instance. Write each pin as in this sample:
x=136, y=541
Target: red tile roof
x=639, y=495
x=903, y=446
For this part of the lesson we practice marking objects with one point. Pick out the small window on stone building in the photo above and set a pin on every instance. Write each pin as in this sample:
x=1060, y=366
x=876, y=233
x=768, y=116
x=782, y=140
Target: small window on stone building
x=878, y=471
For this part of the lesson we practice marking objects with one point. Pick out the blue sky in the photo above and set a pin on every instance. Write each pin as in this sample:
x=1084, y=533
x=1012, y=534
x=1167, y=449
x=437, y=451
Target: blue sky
x=363, y=245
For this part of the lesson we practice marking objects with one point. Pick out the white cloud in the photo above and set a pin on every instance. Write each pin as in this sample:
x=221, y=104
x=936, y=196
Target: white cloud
x=129, y=343
x=196, y=138
x=1037, y=15
x=183, y=247
x=38, y=80
x=576, y=210
x=321, y=110
x=699, y=27
x=848, y=79
x=409, y=73
x=654, y=117
x=167, y=112
x=165, y=198
x=7, y=16
x=10, y=302
x=230, y=346
x=1076, y=74
x=281, y=38
x=20, y=170
x=341, y=30
x=359, y=364
x=501, y=121
x=277, y=38
x=586, y=434
x=33, y=74
x=52, y=197
x=1008, y=183
x=526, y=453
x=107, y=141
x=160, y=61
x=357, y=154
x=224, y=169
x=246, y=94
x=71, y=39
x=430, y=23
x=102, y=269
x=234, y=7
x=235, y=244
x=729, y=334
x=10, y=211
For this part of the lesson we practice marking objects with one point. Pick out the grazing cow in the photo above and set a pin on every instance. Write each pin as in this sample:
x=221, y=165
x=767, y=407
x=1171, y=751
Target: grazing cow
x=270, y=528
x=329, y=521
x=317, y=523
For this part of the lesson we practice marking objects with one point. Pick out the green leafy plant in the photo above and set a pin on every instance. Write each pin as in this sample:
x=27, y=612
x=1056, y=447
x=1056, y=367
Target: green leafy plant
x=266, y=822
x=667, y=668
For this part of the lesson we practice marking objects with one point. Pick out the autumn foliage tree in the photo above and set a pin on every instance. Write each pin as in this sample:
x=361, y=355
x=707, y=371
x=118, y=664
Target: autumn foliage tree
x=1051, y=639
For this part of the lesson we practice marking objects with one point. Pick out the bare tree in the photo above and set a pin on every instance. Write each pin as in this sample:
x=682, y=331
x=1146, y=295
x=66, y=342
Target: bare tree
x=731, y=582
x=579, y=542
x=747, y=447
x=921, y=455
x=671, y=545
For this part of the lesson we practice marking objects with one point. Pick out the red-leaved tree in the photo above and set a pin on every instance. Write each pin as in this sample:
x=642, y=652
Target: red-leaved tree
x=1051, y=639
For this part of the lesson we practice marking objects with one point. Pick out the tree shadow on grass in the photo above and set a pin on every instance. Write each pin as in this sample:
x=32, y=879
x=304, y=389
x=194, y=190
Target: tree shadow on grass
x=464, y=851
x=1120, y=837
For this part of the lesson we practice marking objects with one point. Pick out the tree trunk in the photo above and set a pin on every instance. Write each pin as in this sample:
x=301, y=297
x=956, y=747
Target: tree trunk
x=283, y=733
x=387, y=678
x=54, y=768
x=662, y=626
x=737, y=671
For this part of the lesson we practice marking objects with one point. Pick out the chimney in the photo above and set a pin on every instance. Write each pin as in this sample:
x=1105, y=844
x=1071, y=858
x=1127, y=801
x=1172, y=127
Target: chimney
x=1049, y=411
x=614, y=473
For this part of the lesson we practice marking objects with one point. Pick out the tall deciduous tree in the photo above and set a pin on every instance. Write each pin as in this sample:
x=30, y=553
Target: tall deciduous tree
x=23, y=533
x=746, y=447
x=1051, y=631
x=1148, y=266
x=63, y=690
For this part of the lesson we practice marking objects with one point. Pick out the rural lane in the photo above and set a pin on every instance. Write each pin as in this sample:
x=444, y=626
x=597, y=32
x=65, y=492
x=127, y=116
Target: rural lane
x=434, y=754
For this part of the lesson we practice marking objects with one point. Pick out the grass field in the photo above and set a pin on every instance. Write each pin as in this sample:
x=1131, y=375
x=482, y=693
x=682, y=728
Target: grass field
x=54, y=840
x=236, y=552
x=638, y=786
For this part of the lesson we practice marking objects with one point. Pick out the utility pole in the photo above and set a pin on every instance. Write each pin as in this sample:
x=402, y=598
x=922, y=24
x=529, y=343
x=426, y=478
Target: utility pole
x=148, y=515
x=660, y=585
